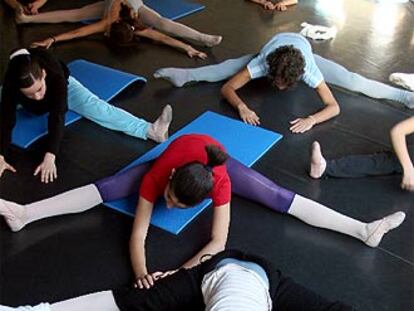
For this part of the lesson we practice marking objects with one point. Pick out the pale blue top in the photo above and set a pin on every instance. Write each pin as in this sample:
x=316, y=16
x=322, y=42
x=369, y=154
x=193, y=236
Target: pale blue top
x=259, y=68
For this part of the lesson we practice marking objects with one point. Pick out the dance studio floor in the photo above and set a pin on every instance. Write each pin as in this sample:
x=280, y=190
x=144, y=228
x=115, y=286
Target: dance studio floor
x=66, y=256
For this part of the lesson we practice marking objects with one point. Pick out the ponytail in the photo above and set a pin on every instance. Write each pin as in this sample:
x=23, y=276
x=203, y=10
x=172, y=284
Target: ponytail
x=24, y=68
x=192, y=183
x=215, y=156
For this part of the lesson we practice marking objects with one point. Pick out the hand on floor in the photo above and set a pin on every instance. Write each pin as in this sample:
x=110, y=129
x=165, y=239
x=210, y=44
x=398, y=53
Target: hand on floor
x=407, y=182
x=280, y=7
x=193, y=52
x=302, y=125
x=269, y=5
x=248, y=116
x=47, y=169
x=4, y=166
x=46, y=43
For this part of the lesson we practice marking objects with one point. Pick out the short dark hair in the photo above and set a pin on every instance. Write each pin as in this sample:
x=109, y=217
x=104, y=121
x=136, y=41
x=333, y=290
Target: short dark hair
x=192, y=183
x=286, y=64
x=24, y=69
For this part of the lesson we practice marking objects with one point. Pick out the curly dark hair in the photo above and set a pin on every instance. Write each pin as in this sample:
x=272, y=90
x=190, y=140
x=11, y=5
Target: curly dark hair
x=286, y=66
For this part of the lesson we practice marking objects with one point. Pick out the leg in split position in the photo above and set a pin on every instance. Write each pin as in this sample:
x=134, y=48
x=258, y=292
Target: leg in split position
x=250, y=184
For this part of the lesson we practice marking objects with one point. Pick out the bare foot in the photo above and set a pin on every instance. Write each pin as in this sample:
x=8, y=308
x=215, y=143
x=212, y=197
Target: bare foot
x=158, y=131
x=14, y=214
x=318, y=162
x=210, y=40
x=377, y=229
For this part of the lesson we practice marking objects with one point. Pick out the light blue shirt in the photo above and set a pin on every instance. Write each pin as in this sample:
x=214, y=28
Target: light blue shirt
x=259, y=68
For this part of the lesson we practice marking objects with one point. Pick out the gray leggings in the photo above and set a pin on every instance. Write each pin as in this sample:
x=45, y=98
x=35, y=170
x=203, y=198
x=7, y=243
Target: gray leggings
x=333, y=73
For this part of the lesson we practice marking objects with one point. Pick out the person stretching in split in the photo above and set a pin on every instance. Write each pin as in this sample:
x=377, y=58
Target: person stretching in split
x=42, y=84
x=123, y=21
x=286, y=59
x=192, y=168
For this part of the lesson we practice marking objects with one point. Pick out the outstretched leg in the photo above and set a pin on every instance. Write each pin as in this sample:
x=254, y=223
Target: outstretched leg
x=212, y=73
x=175, y=292
x=87, y=12
x=340, y=76
x=76, y=200
x=152, y=18
x=354, y=166
x=87, y=104
x=102, y=301
x=252, y=185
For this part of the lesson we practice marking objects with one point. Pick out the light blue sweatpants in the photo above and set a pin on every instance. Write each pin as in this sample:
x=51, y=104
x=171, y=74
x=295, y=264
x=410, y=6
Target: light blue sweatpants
x=88, y=105
x=332, y=72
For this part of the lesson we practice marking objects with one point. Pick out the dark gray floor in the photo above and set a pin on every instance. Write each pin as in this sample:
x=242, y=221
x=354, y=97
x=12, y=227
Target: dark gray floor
x=66, y=256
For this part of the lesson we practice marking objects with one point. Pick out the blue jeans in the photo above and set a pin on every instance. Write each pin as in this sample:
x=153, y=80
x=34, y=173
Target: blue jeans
x=88, y=105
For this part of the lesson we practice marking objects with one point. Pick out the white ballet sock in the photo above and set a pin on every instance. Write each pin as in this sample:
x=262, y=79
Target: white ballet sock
x=176, y=76
x=210, y=73
x=403, y=79
x=39, y=307
x=158, y=131
x=73, y=201
x=318, y=215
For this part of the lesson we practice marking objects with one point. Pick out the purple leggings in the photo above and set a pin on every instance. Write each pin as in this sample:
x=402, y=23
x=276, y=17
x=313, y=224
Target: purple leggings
x=245, y=182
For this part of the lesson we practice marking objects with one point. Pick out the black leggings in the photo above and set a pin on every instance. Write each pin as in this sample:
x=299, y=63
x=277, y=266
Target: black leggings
x=181, y=291
x=377, y=164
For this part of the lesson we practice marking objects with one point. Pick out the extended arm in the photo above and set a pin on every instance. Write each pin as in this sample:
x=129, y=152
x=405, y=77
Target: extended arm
x=167, y=40
x=229, y=93
x=398, y=138
x=219, y=232
x=77, y=33
x=331, y=110
x=137, y=242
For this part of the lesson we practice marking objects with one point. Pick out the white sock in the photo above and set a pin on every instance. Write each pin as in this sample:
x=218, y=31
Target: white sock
x=403, y=79
x=72, y=201
x=100, y=301
x=318, y=215
x=176, y=76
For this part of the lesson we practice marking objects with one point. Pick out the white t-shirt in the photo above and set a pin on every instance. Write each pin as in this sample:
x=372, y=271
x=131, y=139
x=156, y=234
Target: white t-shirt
x=235, y=288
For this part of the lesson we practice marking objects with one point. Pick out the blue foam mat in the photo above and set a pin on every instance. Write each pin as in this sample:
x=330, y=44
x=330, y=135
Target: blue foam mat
x=243, y=142
x=103, y=81
x=172, y=9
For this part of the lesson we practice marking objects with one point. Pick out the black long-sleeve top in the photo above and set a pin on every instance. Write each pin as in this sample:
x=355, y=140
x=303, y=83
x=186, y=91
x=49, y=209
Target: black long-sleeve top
x=54, y=102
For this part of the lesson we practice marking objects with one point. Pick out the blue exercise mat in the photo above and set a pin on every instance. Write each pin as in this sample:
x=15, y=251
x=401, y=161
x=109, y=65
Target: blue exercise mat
x=243, y=142
x=103, y=81
x=172, y=9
